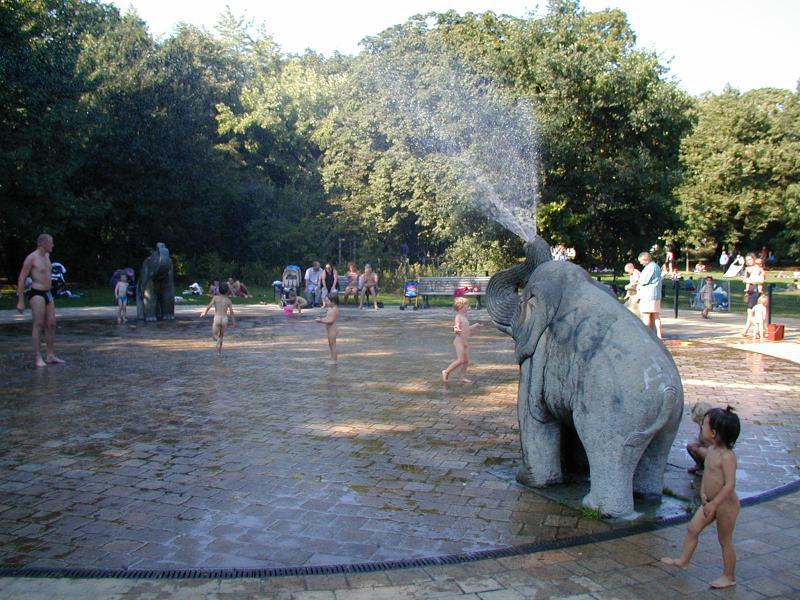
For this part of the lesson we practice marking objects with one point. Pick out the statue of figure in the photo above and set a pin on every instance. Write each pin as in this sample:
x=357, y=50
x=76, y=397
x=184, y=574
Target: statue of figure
x=591, y=377
x=155, y=292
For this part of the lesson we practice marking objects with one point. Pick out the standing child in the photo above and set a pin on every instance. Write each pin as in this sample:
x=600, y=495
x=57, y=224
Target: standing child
x=698, y=448
x=707, y=295
x=462, y=329
x=121, y=296
x=222, y=307
x=332, y=304
x=760, y=318
x=717, y=493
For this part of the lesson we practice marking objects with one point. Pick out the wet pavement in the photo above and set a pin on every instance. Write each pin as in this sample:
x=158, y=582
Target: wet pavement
x=147, y=451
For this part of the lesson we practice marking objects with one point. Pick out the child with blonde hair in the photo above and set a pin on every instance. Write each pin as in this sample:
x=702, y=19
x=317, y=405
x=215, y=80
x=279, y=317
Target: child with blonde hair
x=697, y=449
x=462, y=329
x=760, y=318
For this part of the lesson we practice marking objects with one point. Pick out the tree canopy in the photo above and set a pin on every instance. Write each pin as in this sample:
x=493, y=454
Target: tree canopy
x=243, y=158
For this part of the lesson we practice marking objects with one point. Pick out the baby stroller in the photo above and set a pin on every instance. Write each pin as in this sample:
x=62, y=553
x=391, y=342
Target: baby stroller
x=290, y=281
x=410, y=294
x=57, y=281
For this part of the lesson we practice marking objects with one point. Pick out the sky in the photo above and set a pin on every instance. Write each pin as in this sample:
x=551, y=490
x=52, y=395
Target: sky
x=707, y=44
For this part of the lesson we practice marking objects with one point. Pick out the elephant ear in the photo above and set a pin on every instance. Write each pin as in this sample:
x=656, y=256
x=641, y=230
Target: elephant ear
x=540, y=302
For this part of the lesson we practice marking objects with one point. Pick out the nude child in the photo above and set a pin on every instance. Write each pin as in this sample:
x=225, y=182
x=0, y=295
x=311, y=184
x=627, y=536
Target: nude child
x=717, y=494
x=222, y=308
x=462, y=330
x=331, y=302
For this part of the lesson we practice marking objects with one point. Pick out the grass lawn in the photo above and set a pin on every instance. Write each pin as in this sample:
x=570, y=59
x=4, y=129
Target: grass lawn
x=785, y=303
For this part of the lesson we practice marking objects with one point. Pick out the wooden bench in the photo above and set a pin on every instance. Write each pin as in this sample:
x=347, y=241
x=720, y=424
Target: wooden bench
x=447, y=286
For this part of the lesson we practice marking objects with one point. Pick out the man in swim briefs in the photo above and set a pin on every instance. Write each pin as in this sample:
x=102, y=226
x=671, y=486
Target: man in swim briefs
x=37, y=266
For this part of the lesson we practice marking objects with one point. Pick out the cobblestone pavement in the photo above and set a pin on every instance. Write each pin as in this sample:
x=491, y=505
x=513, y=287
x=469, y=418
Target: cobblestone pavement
x=147, y=451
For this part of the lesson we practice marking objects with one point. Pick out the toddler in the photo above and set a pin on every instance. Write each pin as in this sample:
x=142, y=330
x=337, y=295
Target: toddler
x=760, y=318
x=462, y=329
x=331, y=302
x=720, y=431
x=121, y=296
x=222, y=307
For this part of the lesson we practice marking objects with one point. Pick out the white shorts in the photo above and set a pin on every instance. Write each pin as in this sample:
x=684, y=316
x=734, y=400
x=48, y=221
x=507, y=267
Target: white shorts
x=650, y=306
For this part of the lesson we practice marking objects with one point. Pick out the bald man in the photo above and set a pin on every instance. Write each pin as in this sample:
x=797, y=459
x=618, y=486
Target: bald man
x=37, y=266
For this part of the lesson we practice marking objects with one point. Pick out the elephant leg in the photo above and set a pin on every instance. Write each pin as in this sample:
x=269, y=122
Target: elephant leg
x=540, y=434
x=150, y=301
x=169, y=294
x=648, y=480
x=611, y=466
x=611, y=475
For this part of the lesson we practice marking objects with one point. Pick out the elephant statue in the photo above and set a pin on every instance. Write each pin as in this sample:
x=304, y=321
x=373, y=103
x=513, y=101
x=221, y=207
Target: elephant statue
x=155, y=292
x=595, y=384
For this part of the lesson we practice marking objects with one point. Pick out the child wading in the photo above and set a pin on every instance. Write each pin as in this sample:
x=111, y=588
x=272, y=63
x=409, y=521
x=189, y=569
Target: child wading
x=121, y=296
x=222, y=307
x=717, y=493
x=332, y=329
x=462, y=329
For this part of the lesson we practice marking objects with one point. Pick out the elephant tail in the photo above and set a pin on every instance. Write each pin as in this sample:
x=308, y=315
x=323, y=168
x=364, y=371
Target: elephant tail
x=670, y=400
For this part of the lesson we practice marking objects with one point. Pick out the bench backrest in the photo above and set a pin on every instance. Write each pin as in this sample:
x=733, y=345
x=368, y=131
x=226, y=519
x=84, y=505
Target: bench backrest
x=448, y=285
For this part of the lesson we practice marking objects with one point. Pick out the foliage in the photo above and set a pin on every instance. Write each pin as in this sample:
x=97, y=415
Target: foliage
x=742, y=171
x=243, y=159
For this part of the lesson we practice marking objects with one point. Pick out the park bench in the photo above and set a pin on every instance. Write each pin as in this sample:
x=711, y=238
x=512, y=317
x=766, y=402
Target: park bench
x=447, y=286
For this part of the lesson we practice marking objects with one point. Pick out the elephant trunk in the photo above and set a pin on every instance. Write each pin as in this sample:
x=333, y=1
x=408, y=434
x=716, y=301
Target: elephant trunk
x=502, y=298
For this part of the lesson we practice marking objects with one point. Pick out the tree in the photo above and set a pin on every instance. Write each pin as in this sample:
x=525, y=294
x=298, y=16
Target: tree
x=609, y=127
x=40, y=118
x=742, y=170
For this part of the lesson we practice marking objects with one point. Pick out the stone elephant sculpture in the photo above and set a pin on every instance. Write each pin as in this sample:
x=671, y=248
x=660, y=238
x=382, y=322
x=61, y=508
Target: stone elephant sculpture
x=592, y=376
x=155, y=291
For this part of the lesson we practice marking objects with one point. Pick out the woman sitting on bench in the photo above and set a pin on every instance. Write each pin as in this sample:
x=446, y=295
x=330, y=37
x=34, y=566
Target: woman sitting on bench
x=351, y=289
x=369, y=285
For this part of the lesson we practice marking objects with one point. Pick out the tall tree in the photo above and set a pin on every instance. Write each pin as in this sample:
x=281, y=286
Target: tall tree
x=742, y=171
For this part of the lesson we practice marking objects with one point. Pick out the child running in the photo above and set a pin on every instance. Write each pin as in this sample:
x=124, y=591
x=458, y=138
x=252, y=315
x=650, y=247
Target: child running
x=121, y=296
x=717, y=493
x=222, y=306
x=331, y=302
x=462, y=329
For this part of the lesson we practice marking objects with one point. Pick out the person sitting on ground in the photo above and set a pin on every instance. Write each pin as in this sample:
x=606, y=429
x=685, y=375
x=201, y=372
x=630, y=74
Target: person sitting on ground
x=237, y=288
x=352, y=282
x=295, y=302
x=369, y=285
x=213, y=288
x=697, y=448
